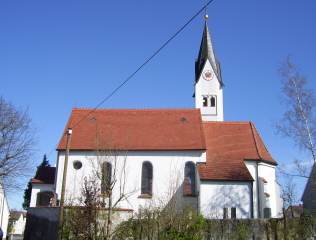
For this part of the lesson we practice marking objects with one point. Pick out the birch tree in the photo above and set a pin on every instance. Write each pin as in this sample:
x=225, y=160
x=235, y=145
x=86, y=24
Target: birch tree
x=298, y=122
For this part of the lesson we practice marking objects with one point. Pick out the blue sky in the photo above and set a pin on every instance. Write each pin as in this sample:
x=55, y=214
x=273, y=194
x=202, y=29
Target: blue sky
x=56, y=55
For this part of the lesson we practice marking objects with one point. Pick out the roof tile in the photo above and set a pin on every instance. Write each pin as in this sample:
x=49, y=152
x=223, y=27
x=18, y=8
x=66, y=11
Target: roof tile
x=135, y=129
x=45, y=175
x=228, y=145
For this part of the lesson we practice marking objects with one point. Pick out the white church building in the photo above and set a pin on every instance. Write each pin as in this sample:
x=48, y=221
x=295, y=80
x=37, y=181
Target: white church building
x=153, y=156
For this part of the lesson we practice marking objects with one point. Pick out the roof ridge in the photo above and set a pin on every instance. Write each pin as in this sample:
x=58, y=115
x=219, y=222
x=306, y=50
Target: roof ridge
x=133, y=109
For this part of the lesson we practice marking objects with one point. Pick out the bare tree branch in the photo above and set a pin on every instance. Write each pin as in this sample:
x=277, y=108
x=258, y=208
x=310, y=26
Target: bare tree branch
x=298, y=122
x=17, y=145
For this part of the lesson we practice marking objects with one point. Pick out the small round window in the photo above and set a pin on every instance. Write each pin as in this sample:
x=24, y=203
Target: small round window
x=77, y=165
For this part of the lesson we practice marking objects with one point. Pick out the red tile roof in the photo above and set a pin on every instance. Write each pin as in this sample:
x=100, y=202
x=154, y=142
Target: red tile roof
x=298, y=209
x=45, y=175
x=150, y=129
x=228, y=145
x=15, y=215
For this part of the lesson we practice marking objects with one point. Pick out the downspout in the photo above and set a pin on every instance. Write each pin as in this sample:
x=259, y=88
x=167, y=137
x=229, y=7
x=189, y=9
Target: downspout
x=258, y=196
x=252, y=199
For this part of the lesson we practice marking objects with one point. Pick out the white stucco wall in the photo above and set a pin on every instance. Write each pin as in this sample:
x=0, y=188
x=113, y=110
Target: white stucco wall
x=37, y=188
x=217, y=195
x=168, y=174
x=279, y=200
x=5, y=212
x=261, y=201
x=209, y=88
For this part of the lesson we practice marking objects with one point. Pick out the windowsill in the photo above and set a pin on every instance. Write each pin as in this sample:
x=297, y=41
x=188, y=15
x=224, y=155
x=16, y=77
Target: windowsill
x=145, y=196
x=190, y=195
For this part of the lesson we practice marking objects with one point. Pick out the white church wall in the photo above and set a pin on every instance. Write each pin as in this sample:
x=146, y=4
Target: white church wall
x=217, y=195
x=279, y=200
x=252, y=168
x=168, y=174
x=267, y=171
x=265, y=195
x=37, y=188
x=209, y=88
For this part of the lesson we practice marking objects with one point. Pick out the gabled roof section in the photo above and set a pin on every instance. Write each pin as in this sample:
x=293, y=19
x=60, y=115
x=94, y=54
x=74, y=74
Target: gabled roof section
x=135, y=129
x=228, y=145
x=45, y=175
x=207, y=51
x=15, y=215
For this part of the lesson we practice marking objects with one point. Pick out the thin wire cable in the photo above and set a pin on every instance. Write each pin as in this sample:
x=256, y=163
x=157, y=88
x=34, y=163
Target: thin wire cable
x=143, y=64
x=121, y=85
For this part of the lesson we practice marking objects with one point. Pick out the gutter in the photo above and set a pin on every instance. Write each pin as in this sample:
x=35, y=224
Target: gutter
x=258, y=196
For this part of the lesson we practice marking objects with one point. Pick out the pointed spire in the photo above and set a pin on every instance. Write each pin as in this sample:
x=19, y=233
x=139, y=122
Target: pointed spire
x=207, y=51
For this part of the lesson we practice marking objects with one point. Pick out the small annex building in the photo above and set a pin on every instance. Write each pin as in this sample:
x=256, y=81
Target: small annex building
x=156, y=156
x=43, y=187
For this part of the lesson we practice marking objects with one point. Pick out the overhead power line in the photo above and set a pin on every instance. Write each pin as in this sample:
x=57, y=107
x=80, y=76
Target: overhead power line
x=152, y=56
x=143, y=64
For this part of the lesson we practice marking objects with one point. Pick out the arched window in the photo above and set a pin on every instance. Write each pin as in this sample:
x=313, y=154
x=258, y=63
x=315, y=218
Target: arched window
x=147, y=178
x=189, y=179
x=204, y=101
x=43, y=198
x=106, y=177
x=212, y=101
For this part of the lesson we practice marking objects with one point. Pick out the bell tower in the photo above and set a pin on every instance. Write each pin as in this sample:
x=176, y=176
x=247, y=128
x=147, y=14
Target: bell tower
x=208, y=80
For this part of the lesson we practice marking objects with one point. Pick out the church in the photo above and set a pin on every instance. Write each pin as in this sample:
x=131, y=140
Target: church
x=143, y=158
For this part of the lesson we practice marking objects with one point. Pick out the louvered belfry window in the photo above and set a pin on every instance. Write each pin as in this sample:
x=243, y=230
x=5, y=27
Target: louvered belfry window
x=106, y=177
x=189, y=179
x=213, y=102
x=147, y=178
x=205, y=101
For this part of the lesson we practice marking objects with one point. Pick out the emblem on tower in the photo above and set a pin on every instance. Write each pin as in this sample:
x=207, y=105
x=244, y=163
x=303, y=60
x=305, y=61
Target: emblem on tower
x=208, y=75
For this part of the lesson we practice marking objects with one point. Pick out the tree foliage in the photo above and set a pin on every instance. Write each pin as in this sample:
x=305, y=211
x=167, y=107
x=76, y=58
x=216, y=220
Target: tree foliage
x=164, y=223
x=89, y=220
x=85, y=221
x=17, y=145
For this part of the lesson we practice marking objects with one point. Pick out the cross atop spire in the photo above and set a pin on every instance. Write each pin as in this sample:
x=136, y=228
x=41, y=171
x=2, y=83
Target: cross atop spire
x=207, y=51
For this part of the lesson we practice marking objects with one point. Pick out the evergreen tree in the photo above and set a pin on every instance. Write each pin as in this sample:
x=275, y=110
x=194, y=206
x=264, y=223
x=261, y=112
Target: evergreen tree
x=28, y=190
x=45, y=163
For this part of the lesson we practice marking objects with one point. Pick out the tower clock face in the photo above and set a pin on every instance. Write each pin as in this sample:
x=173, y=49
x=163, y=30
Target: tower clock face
x=208, y=75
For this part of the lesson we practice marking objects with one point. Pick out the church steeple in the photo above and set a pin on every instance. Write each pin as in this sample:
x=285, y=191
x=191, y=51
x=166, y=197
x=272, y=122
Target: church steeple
x=208, y=80
x=207, y=51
